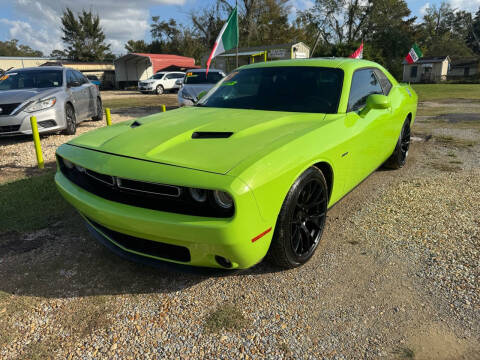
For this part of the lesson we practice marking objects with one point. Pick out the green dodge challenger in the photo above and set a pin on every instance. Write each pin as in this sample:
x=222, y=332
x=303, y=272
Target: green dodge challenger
x=248, y=172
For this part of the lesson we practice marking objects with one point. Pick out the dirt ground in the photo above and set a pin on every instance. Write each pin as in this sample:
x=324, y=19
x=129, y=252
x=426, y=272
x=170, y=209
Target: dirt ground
x=397, y=276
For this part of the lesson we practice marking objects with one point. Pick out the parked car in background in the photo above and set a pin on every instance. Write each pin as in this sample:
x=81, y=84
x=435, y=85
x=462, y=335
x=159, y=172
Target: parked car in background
x=195, y=82
x=59, y=97
x=161, y=82
x=94, y=80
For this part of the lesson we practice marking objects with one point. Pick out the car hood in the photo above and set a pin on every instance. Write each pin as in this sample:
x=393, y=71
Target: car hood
x=196, y=89
x=19, y=96
x=149, y=81
x=168, y=137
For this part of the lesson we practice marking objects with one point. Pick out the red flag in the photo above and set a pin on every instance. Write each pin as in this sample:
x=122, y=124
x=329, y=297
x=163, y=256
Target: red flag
x=358, y=54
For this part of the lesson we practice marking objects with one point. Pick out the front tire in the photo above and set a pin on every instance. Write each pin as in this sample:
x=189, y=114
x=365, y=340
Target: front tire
x=99, y=112
x=301, y=221
x=399, y=156
x=71, y=120
x=160, y=90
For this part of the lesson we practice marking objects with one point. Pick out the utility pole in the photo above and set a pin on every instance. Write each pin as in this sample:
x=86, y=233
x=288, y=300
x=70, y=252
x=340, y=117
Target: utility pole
x=238, y=32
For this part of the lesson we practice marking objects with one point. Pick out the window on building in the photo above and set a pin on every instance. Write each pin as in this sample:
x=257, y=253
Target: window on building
x=413, y=71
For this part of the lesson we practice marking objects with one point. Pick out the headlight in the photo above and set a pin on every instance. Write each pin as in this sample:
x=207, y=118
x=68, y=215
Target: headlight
x=223, y=199
x=68, y=163
x=199, y=195
x=41, y=105
x=187, y=95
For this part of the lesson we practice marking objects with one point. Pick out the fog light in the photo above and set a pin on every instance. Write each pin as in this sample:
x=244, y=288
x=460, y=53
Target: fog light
x=223, y=199
x=223, y=261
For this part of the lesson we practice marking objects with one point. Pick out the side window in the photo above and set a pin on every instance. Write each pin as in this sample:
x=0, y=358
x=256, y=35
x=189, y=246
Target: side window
x=70, y=77
x=364, y=83
x=80, y=78
x=384, y=82
x=180, y=76
x=171, y=76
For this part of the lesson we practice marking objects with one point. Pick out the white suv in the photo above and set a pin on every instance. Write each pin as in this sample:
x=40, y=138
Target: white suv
x=160, y=82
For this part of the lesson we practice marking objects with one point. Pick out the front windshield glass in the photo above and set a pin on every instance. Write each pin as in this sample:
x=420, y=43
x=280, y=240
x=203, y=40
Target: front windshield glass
x=157, y=76
x=199, y=78
x=289, y=88
x=28, y=79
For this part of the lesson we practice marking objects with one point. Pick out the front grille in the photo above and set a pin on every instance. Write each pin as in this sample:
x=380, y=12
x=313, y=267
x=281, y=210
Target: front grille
x=143, y=84
x=9, y=128
x=162, y=197
x=144, y=246
x=7, y=109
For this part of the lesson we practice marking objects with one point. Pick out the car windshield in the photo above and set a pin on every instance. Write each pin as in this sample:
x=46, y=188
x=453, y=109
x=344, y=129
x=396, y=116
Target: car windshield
x=157, y=76
x=92, y=77
x=200, y=78
x=28, y=79
x=288, y=88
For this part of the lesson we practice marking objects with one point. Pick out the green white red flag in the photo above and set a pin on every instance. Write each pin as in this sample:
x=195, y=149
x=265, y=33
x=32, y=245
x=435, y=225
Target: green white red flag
x=227, y=39
x=358, y=54
x=414, y=54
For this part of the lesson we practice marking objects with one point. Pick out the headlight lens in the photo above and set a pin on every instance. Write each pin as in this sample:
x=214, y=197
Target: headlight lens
x=223, y=199
x=199, y=195
x=187, y=95
x=41, y=105
x=68, y=163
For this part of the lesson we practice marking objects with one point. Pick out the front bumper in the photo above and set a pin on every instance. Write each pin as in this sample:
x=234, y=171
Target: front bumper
x=204, y=237
x=52, y=119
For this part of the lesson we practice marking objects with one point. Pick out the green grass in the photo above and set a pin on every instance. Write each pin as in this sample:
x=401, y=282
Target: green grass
x=447, y=91
x=225, y=317
x=31, y=204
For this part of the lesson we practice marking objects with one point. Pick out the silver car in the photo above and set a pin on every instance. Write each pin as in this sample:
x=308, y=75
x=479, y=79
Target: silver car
x=59, y=97
x=195, y=82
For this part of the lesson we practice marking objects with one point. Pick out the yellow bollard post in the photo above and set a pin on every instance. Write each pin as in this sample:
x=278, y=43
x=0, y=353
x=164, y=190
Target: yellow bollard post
x=164, y=108
x=36, y=141
x=108, y=116
x=265, y=55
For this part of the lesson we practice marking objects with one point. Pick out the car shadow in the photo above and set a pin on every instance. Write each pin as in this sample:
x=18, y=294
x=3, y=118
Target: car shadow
x=64, y=261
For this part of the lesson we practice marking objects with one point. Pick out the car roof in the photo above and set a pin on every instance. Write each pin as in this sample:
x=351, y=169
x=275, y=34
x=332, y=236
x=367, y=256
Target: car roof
x=204, y=70
x=338, y=63
x=41, y=68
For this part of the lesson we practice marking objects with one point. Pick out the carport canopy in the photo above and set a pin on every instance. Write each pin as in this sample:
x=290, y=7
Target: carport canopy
x=139, y=66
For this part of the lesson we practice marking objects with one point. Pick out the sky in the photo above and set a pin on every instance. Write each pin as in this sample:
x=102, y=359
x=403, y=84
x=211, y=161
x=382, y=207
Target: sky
x=36, y=23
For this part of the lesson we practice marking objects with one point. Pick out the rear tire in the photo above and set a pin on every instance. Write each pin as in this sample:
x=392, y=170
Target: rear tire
x=160, y=90
x=71, y=120
x=400, y=154
x=301, y=221
x=99, y=114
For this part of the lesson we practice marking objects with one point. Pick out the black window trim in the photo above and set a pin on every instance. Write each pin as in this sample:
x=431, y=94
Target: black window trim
x=359, y=69
x=386, y=77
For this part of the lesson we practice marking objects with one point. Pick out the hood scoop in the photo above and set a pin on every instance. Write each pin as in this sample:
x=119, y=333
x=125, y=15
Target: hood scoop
x=135, y=124
x=211, y=135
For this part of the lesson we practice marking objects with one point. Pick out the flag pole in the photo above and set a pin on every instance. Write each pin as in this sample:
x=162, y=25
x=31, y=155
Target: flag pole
x=238, y=35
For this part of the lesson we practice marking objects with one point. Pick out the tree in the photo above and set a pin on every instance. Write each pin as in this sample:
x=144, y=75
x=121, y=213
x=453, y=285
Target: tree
x=137, y=46
x=12, y=48
x=59, y=54
x=84, y=37
x=473, y=36
x=444, y=31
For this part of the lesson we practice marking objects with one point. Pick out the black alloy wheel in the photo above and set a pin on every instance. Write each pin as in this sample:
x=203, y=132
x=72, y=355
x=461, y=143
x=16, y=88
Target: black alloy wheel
x=301, y=221
x=400, y=154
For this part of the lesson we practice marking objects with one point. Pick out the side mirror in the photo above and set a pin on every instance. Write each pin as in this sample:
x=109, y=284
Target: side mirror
x=201, y=94
x=376, y=101
x=179, y=82
x=73, y=84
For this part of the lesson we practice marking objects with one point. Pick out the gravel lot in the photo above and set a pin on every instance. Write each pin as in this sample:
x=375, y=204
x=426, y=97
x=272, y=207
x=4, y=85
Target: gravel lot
x=397, y=277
